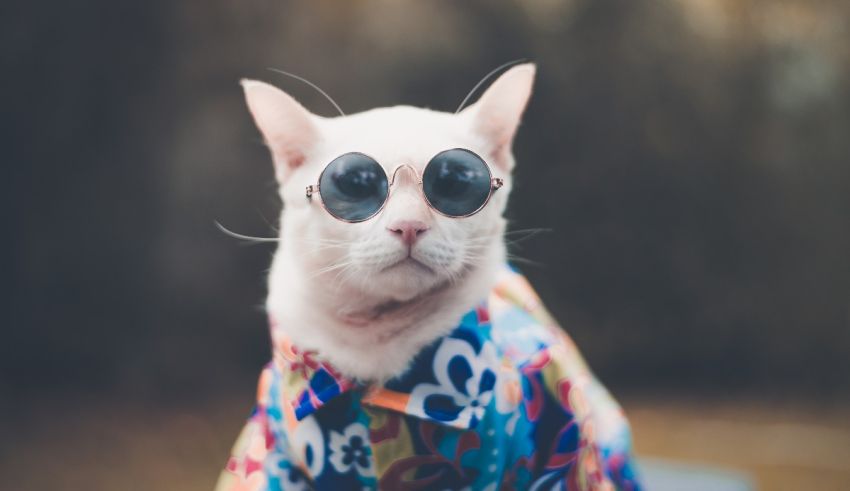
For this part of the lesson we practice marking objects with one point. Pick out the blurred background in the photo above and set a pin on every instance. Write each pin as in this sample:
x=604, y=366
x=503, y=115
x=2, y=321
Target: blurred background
x=689, y=160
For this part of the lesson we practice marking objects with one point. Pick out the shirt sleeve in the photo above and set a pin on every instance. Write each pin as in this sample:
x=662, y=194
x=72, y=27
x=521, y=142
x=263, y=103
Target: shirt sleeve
x=583, y=437
x=261, y=459
x=244, y=470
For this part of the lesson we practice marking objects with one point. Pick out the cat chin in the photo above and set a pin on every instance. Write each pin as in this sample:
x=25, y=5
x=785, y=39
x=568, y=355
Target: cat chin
x=348, y=329
x=405, y=281
x=396, y=330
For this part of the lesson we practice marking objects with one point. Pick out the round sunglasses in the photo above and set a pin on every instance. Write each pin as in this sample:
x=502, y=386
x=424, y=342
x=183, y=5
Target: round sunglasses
x=455, y=183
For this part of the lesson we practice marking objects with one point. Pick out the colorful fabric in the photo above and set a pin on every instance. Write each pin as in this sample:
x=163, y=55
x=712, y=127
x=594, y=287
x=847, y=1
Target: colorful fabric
x=503, y=402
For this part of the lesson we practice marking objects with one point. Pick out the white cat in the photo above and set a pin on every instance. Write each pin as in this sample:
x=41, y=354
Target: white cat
x=406, y=354
x=368, y=296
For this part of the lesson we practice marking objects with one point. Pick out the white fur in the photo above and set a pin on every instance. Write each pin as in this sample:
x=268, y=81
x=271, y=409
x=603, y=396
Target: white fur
x=340, y=288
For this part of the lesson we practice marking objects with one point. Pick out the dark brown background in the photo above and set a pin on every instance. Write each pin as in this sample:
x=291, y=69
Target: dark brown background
x=690, y=158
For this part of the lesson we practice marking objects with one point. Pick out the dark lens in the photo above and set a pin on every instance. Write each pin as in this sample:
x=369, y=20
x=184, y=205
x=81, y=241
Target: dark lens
x=353, y=187
x=456, y=182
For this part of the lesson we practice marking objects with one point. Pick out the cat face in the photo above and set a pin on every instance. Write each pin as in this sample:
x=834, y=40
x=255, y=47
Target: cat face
x=408, y=248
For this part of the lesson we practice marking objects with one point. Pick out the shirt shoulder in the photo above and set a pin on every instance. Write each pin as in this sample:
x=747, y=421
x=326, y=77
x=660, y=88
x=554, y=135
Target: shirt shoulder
x=522, y=329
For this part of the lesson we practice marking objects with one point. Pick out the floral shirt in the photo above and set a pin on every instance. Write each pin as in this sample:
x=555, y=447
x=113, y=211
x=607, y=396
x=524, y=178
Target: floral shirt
x=503, y=402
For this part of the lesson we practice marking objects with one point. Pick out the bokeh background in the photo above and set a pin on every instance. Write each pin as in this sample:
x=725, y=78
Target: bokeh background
x=683, y=184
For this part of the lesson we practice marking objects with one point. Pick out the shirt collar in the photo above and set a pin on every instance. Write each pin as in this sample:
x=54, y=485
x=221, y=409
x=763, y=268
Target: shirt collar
x=450, y=382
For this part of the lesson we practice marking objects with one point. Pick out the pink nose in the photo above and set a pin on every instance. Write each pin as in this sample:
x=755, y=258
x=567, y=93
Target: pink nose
x=408, y=230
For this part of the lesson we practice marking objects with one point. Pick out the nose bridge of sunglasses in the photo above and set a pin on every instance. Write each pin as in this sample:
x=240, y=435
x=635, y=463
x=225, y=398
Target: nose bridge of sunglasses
x=406, y=203
x=400, y=177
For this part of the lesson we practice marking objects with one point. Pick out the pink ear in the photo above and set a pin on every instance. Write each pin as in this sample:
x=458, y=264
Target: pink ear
x=497, y=113
x=288, y=129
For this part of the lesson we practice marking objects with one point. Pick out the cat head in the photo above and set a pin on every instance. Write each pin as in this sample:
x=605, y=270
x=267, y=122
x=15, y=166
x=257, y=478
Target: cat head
x=407, y=249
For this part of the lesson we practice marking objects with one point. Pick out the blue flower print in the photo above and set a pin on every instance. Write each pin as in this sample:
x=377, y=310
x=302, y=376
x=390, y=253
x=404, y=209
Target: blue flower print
x=350, y=450
x=465, y=383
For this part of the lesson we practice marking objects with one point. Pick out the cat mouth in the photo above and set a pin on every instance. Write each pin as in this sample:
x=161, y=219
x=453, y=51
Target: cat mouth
x=412, y=263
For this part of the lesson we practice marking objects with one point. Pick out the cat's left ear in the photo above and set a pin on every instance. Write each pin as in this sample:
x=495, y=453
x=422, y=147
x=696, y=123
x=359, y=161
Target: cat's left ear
x=289, y=130
x=496, y=115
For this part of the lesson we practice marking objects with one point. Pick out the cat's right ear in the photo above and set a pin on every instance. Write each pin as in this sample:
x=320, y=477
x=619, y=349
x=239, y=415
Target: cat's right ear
x=288, y=128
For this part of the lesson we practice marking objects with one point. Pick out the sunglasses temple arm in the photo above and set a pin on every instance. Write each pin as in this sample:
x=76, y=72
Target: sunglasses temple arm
x=496, y=183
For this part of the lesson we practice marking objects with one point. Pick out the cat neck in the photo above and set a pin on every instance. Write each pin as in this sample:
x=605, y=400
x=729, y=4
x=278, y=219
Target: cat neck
x=371, y=337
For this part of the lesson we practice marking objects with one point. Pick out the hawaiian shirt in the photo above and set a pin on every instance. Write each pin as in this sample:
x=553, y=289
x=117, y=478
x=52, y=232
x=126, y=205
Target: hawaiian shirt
x=505, y=401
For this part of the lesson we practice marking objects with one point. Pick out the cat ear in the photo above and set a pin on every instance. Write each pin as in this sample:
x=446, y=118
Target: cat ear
x=289, y=130
x=496, y=115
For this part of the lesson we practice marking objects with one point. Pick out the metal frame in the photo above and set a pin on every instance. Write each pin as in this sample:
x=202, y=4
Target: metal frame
x=495, y=184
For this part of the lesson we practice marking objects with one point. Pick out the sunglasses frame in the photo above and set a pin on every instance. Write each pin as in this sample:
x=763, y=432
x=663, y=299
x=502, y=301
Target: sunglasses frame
x=495, y=184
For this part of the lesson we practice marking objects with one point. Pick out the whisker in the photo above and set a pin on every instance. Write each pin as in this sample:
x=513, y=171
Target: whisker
x=531, y=231
x=250, y=238
x=321, y=244
x=311, y=84
x=486, y=77
x=328, y=269
x=322, y=241
x=271, y=225
x=343, y=276
x=523, y=260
